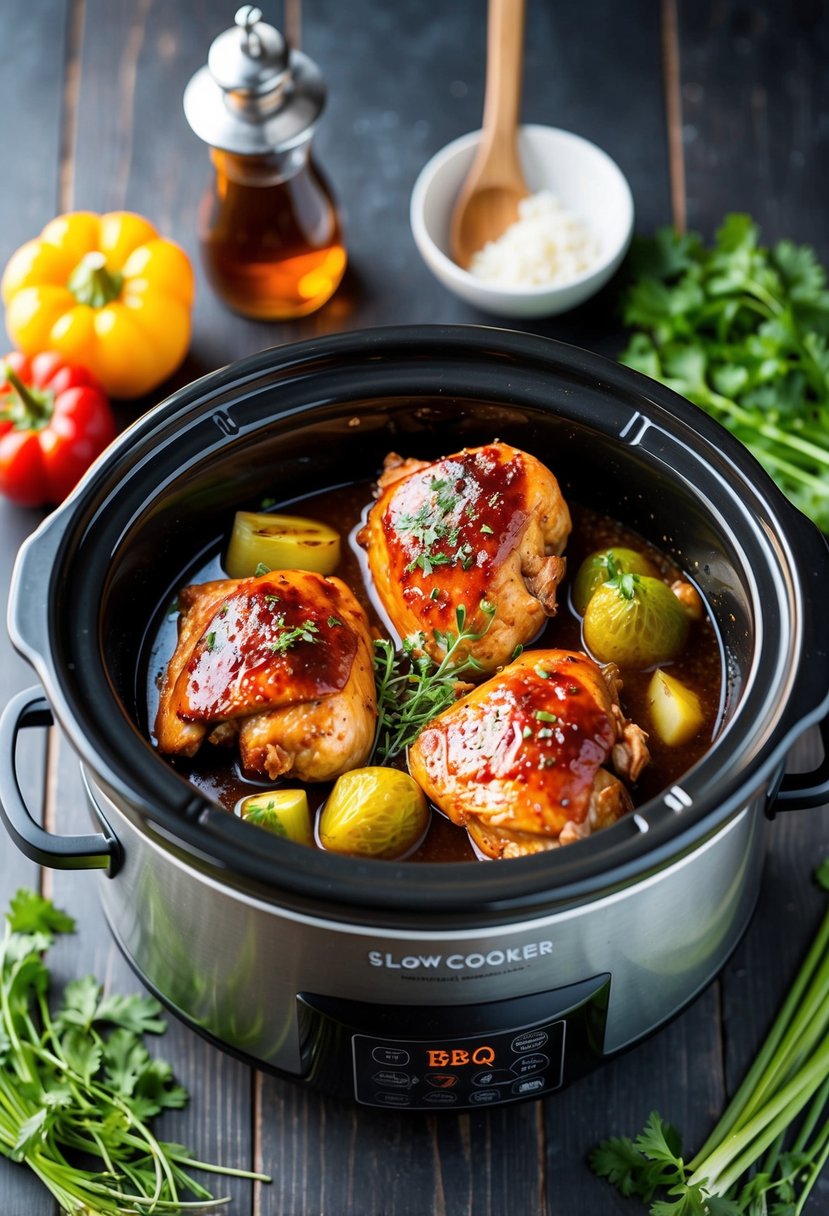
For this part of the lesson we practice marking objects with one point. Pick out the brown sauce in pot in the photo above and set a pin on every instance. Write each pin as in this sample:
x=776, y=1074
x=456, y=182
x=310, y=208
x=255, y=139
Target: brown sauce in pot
x=216, y=772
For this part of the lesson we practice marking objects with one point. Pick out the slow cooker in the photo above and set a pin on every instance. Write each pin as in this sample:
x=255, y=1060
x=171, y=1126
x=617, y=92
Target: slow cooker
x=428, y=986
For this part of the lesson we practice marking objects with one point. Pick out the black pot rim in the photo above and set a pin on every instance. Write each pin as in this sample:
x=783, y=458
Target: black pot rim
x=721, y=784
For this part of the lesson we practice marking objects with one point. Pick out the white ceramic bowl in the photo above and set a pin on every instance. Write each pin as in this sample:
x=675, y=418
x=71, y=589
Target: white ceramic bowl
x=582, y=177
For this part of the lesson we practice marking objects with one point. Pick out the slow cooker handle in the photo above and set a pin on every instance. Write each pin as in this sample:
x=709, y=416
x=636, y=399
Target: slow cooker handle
x=98, y=851
x=801, y=790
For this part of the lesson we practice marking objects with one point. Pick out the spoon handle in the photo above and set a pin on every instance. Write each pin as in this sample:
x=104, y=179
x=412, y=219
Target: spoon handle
x=504, y=67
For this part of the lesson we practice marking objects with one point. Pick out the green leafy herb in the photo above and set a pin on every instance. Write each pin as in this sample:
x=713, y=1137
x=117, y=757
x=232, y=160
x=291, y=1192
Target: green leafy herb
x=261, y=569
x=435, y=527
x=771, y=1143
x=485, y=528
x=305, y=632
x=742, y=331
x=333, y=621
x=543, y=715
x=412, y=689
x=78, y=1084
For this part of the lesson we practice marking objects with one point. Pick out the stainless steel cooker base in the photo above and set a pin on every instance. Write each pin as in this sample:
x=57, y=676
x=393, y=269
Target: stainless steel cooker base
x=387, y=1016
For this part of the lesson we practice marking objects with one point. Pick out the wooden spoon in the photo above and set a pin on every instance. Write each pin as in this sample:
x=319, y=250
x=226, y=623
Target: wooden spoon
x=488, y=200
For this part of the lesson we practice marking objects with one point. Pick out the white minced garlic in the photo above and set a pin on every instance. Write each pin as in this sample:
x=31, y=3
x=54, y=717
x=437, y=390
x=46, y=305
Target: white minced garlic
x=546, y=246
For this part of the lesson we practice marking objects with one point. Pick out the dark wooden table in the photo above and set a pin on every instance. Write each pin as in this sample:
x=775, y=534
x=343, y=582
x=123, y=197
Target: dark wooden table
x=707, y=107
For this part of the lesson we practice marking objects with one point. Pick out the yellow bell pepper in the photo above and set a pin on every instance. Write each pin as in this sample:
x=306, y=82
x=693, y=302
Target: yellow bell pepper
x=108, y=293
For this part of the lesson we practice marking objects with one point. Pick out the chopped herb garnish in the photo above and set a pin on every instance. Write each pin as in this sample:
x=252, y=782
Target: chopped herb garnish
x=519, y=650
x=261, y=569
x=306, y=632
x=435, y=527
x=494, y=499
x=333, y=620
x=267, y=503
x=271, y=599
x=540, y=671
x=485, y=528
x=210, y=641
x=544, y=716
x=223, y=610
x=434, y=594
x=414, y=690
x=465, y=556
x=547, y=762
x=527, y=732
x=573, y=689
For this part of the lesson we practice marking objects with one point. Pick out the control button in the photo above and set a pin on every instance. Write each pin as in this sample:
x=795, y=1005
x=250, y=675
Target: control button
x=528, y=1064
x=493, y=1076
x=530, y=1085
x=442, y=1080
x=482, y=1096
x=390, y=1055
x=530, y=1040
x=397, y=1080
x=391, y=1100
x=439, y=1097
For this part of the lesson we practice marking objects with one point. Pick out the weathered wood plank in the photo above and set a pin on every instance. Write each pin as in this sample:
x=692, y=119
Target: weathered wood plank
x=755, y=94
x=31, y=82
x=755, y=91
x=126, y=152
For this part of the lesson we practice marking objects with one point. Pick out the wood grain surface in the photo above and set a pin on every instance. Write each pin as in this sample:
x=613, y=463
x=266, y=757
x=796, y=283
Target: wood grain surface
x=707, y=107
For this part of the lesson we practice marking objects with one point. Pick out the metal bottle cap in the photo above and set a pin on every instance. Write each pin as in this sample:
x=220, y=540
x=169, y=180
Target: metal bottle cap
x=255, y=95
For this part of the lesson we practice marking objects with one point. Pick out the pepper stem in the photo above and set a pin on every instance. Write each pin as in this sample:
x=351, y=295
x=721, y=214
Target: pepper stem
x=34, y=407
x=92, y=283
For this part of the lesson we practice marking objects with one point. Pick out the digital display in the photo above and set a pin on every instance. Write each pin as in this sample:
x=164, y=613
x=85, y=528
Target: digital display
x=459, y=1072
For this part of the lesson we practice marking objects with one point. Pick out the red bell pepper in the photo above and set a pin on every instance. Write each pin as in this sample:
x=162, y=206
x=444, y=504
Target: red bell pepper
x=54, y=420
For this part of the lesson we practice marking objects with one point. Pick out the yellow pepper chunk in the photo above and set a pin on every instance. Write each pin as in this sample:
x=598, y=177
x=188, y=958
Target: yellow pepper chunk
x=280, y=542
x=108, y=293
x=282, y=812
x=675, y=709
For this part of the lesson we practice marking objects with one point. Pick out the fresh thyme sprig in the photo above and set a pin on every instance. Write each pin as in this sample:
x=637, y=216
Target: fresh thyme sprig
x=412, y=689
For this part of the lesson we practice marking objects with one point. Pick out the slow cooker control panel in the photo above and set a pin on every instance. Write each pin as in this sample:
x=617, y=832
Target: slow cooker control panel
x=479, y=1071
x=454, y=1056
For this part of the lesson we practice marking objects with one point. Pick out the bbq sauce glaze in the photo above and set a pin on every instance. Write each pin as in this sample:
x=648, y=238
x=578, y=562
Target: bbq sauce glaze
x=216, y=773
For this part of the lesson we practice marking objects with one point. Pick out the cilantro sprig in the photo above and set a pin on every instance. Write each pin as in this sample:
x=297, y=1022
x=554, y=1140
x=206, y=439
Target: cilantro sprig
x=769, y=1147
x=412, y=689
x=78, y=1084
x=742, y=331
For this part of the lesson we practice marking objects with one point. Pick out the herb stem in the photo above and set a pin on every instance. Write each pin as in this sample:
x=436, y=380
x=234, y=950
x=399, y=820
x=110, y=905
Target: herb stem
x=766, y=1057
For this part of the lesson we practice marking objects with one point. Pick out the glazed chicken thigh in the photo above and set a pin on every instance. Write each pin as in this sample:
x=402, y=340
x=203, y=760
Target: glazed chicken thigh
x=487, y=524
x=519, y=761
x=283, y=663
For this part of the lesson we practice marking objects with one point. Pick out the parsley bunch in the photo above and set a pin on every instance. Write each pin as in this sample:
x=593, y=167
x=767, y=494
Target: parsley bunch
x=771, y=1144
x=742, y=331
x=411, y=689
x=78, y=1089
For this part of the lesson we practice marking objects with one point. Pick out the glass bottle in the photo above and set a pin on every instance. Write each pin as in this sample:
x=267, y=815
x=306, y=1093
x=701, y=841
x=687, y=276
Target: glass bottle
x=269, y=230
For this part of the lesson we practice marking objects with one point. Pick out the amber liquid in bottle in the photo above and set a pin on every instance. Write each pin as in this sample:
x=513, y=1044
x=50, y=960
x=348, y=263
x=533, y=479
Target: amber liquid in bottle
x=270, y=235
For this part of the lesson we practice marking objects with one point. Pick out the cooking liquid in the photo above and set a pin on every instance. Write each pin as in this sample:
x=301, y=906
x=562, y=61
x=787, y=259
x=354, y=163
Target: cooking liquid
x=270, y=235
x=215, y=770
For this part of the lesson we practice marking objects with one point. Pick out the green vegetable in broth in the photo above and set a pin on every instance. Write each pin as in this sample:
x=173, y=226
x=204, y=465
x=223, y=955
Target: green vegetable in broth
x=635, y=621
x=601, y=567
